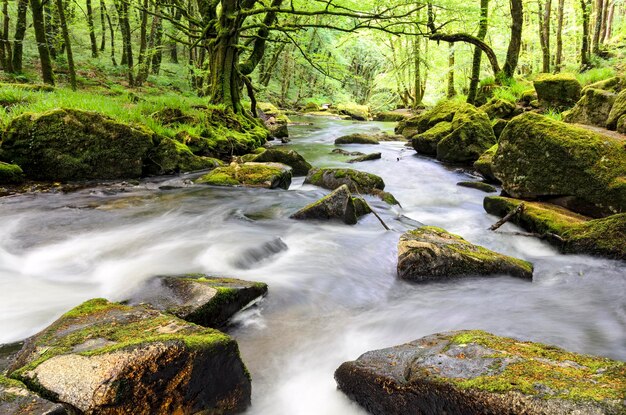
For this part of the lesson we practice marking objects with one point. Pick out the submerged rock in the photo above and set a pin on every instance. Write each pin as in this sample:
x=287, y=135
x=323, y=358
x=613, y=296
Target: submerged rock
x=570, y=232
x=200, y=299
x=267, y=175
x=432, y=254
x=366, y=157
x=68, y=144
x=16, y=399
x=474, y=372
x=538, y=157
x=558, y=91
x=346, y=153
x=482, y=186
x=592, y=109
x=291, y=158
x=340, y=204
x=10, y=173
x=103, y=357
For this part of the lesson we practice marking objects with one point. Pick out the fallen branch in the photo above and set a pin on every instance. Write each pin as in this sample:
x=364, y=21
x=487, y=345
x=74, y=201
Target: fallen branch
x=508, y=217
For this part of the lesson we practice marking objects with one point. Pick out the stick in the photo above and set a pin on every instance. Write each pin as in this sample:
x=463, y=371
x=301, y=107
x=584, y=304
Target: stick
x=508, y=217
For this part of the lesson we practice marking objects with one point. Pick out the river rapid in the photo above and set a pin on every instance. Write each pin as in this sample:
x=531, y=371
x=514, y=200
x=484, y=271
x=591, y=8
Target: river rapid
x=333, y=291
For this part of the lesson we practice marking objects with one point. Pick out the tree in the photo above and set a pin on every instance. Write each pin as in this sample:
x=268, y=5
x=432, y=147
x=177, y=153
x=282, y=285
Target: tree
x=482, y=32
x=559, y=37
x=42, y=41
x=544, y=33
x=67, y=42
x=92, y=31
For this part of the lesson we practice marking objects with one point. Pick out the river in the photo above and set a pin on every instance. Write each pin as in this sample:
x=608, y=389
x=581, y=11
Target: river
x=333, y=290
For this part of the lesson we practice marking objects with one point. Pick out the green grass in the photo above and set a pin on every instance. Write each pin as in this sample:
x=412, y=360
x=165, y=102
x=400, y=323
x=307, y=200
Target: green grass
x=595, y=75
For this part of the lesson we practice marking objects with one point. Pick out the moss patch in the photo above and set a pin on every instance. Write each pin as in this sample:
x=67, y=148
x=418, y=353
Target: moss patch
x=558, y=91
x=617, y=111
x=269, y=175
x=472, y=135
x=10, y=174
x=426, y=142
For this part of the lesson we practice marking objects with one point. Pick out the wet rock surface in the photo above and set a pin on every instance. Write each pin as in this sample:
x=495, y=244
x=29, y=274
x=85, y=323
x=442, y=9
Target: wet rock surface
x=16, y=399
x=339, y=205
x=251, y=174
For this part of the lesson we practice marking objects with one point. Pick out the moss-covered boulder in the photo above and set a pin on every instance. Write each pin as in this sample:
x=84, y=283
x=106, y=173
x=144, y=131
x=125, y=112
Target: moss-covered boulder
x=392, y=116
x=477, y=373
x=357, y=181
x=617, y=111
x=291, y=158
x=171, y=156
x=539, y=157
x=366, y=157
x=558, y=91
x=16, y=399
x=10, y=173
x=311, y=107
x=354, y=111
x=498, y=125
x=67, y=144
x=357, y=138
x=482, y=186
x=268, y=175
x=426, y=142
x=615, y=84
x=443, y=111
x=471, y=136
x=498, y=108
x=621, y=124
x=528, y=96
x=103, y=357
x=432, y=254
x=569, y=231
x=338, y=205
x=197, y=298
x=484, y=164
x=592, y=109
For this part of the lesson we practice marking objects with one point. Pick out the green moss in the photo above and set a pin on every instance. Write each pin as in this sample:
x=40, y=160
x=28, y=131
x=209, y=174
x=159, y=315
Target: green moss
x=11, y=383
x=498, y=108
x=426, y=142
x=249, y=174
x=389, y=116
x=443, y=111
x=528, y=96
x=472, y=135
x=558, y=91
x=617, y=111
x=592, y=109
x=357, y=138
x=10, y=174
x=354, y=111
x=172, y=156
x=299, y=166
x=615, y=84
x=533, y=367
x=478, y=186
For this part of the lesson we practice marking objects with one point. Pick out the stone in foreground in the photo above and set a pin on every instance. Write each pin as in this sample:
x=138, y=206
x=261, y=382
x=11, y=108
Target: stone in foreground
x=200, y=299
x=109, y=358
x=267, y=175
x=433, y=254
x=478, y=373
x=15, y=399
x=338, y=205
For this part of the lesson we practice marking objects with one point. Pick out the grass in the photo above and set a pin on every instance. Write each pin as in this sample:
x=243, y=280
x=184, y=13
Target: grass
x=594, y=75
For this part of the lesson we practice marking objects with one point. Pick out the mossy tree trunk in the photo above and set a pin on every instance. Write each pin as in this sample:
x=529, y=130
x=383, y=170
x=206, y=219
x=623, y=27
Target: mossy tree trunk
x=585, y=5
x=112, y=31
x=20, y=32
x=6, y=45
x=42, y=42
x=68, y=45
x=599, y=16
x=482, y=32
x=92, y=31
x=544, y=33
x=451, y=89
x=515, y=43
x=559, y=37
x=103, y=26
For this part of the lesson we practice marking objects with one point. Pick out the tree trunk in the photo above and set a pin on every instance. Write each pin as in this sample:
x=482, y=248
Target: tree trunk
x=92, y=32
x=544, y=34
x=451, y=90
x=127, y=58
x=266, y=73
x=51, y=28
x=143, y=33
x=157, y=56
x=609, y=23
x=108, y=17
x=418, y=96
x=8, y=58
x=42, y=43
x=144, y=67
x=584, y=48
x=595, y=43
x=482, y=32
x=559, y=37
x=512, y=54
x=20, y=32
x=68, y=45
x=103, y=26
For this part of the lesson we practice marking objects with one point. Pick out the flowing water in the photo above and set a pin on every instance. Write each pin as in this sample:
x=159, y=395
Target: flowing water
x=333, y=289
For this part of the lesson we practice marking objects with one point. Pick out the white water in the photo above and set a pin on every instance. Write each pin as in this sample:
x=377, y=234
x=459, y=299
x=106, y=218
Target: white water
x=333, y=292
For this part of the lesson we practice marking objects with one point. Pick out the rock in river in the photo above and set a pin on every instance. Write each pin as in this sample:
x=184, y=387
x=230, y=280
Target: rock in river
x=201, y=299
x=15, y=399
x=478, y=373
x=340, y=204
x=109, y=358
x=291, y=158
x=357, y=181
x=268, y=175
x=432, y=254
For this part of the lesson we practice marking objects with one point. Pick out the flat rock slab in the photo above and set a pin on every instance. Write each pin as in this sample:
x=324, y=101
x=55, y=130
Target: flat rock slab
x=433, y=254
x=200, y=299
x=474, y=372
x=16, y=399
x=109, y=358
x=366, y=157
x=340, y=204
x=267, y=175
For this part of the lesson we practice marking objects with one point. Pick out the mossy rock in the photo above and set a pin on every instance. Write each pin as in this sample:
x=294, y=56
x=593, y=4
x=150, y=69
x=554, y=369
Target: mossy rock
x=443, y=111
x=528, y=96
x=498, y=108
x=267, y=175
x=391, y=116
x=357, y=181
x=570, y=232
x=592, y=109
x=311, y=107
x=433, y=254
x=357, y=138
x=473, y=372
x=498, y=125
x=484, y=164
x=172, y=156
x=366, y=157
x=354, y=111
x=621, y=124
x=559, y=91
x=300, y=167
x=103, y=357
x=614, y=85
x=68, y=144
x=197, y=298
x=539, y=157
x=617, y=111
x=482, y=186
x=426, y=142
x=16, y=399
x=169, y=116
x=471, y=136
x=338, y=205
x=10, y=173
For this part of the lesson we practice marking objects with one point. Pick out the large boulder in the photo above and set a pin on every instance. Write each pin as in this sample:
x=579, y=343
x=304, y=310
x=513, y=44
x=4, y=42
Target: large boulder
x=106, y=358
x=68, y=144
x=478, y=373
x=615, y=84
x=499, y=108
x=354, y=111
x=484, y=164
x=569, y=231
x=299, y=166
x=357, y=181
x=617, y=111
x=197, y=298
x=357, y=138
x=171, y=156
x=592, y=109
x=471, y=136
x=340, y=204
x=539, y=157
x=267, y=175
x=432, y=254
x=559, y=91
x=426, y=142
x=621, y=124
x=16, y=399
x=10, y=173
x=443, y=111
